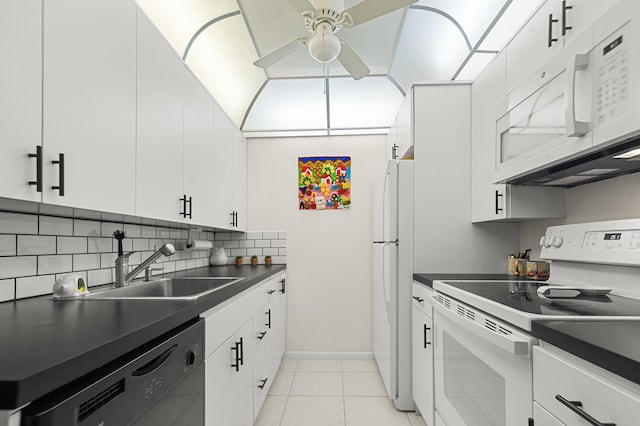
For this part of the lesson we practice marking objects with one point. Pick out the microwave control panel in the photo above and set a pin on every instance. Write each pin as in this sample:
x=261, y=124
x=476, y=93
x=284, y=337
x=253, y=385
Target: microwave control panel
x=611, y=68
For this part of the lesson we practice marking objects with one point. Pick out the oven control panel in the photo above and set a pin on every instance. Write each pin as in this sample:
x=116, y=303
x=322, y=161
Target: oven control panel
x=611, y=242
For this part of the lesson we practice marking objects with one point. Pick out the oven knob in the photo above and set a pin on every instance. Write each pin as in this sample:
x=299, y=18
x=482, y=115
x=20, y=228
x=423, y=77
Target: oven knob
x=556, y=241
x=191, y=357
x=547, y=242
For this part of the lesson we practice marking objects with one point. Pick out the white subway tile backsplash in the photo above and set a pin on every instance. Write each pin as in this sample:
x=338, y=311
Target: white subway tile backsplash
x=55, y=226
x=246, y=244
x=7, y=245
x=279, y=260
x=222, y=236
x=132, y=231
x=278, y=243
x=238, y=236
x=54, y=264
x=34, y=286
x=36, y=244
x=254, y=235
x=176, y=234
x=72, y=245
x=18, y=223
x=86, y=228
x=127, y=244
x=99, y=245
x=99, y=277
x=113, y=217
x=254, y=252
x=169, y=267
x=238, y=252
x=270, y=251
x=108, y=228
x=282, y=251
x=270, y=235
x=181, y=265
x=140, y=244
x=282, y=235
x=147, y=231
x=7, y=289
x=53, y=210
x=84, y=262
x=231, y=244
x=263, y=243
x=18, y=266
x=163, y=233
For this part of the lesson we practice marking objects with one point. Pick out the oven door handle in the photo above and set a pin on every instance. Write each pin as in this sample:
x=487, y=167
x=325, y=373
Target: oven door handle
x=515, y=343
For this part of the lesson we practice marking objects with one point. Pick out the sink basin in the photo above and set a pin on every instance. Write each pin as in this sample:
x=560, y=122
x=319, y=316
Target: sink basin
x=188, y=288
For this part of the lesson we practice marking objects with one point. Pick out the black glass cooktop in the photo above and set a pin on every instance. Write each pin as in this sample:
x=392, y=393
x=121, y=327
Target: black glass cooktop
x=523, y=296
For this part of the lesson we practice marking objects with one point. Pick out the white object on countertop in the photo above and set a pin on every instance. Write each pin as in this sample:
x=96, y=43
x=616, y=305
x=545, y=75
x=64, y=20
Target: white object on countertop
x=218, y=257
x=194, y=245
x=70, y=286
x=568, y=291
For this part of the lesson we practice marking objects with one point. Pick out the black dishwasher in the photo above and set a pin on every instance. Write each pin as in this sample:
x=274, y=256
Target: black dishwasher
x=160, y=383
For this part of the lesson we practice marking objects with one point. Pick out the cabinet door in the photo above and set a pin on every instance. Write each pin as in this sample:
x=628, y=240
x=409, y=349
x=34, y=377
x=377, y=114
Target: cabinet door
x=405, y=130
x=219, y=379
x=20, y=96
x=243, y=380
x=582, y=14
x=222, y=168
x=239, y=179
x=159, y=158
x=530, y=47
x=198, y=151
x=89, y=103
x=422, y=352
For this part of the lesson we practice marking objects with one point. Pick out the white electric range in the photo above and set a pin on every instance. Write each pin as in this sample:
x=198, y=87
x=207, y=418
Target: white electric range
x=482, y=348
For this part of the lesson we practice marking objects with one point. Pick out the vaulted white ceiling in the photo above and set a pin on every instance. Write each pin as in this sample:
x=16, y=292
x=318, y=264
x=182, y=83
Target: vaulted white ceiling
x=431, y=40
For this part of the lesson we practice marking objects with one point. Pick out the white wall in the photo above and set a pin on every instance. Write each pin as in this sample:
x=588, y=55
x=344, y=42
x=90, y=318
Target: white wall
x=328, y=252
x=617, y=198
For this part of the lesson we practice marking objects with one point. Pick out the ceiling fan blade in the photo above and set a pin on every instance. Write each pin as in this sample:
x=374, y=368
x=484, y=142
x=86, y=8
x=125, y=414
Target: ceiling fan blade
x=370, y=9
x=352, y=62
x=280, y=53
x=301, y=5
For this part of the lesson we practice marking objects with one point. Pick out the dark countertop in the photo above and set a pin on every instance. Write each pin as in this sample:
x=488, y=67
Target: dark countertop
x=46, y=343
x=428, y=279
x=612, y=345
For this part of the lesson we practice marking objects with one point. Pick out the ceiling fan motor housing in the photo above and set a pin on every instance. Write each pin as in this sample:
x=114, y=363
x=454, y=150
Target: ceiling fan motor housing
x=326, y=11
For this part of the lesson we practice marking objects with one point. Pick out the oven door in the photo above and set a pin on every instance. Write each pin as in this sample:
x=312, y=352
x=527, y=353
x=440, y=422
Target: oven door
x=483, y=368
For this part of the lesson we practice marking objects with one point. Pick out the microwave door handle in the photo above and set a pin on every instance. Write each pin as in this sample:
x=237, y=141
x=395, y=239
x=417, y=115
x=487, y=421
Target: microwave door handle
x=574, y=127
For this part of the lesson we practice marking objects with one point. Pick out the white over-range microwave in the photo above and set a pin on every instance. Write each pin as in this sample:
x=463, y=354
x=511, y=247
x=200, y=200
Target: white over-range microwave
x=576, y=119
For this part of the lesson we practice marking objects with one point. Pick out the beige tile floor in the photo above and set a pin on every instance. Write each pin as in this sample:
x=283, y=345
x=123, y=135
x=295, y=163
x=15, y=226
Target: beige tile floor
x=330, y=393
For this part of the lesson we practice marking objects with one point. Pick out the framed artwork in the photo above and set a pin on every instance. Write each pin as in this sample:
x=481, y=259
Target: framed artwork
x=324, y=183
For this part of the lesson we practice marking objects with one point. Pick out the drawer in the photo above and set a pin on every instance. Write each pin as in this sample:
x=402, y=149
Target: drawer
x=262, y=379
x=421, y=298
x=542, y=417
x=602, y=397
x=262, y=334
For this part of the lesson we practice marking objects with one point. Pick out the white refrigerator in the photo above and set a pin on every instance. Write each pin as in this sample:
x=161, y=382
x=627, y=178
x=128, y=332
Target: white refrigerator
x=393, y=254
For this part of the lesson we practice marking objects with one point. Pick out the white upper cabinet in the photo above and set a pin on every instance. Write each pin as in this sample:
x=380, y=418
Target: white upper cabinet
x=222, y=169
x=89, y=104
x=20, y=96
x=198, y=152
x=239, y=177
x=400, y=138
x=159, y=174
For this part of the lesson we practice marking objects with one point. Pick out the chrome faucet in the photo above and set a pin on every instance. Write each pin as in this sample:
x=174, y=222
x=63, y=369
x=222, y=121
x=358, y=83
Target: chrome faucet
x=124, y=277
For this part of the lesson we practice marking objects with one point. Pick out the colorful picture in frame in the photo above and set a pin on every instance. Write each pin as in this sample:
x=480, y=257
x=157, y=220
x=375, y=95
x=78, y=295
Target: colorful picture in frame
x=324, y=183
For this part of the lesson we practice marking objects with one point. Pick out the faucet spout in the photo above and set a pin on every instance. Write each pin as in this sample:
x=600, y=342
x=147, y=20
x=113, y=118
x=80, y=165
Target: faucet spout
x=123, y=261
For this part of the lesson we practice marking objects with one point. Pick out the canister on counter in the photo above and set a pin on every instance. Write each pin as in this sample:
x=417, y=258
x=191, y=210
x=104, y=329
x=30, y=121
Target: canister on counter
x=538, y=270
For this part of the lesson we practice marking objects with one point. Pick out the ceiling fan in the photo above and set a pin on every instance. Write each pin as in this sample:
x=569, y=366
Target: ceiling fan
x=323, y=19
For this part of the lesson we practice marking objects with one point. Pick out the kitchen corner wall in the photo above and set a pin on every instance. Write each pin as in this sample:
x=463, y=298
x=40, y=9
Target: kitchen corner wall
x=612, y=199
x=328, y=252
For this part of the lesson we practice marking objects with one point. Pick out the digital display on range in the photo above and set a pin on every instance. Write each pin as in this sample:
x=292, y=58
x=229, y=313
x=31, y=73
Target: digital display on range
x=614, y=236
x=609, y=47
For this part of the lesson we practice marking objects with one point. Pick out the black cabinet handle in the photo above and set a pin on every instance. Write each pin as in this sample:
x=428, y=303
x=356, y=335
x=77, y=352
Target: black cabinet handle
x=268, y=313
x=235, y=221
x=550, y=38
x=263, y=383
x=394, y=151
x=38, y=157
x=425, y=336
x=498, y=208
x=565, y=27
x=282, y=288
x=271, y=291
x=241, y=351
x=261, y=335
x=575, y=407
x=418, y=299
x=186, y=201
x=190, y=207
x=60, y=163
x=236, y=348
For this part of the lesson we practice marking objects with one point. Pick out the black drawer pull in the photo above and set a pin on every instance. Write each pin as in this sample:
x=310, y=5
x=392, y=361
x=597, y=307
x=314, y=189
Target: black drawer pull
x=282, y=288
x=271, y=291
x=38, y=157
x=263, y=383
x=550, y=38
x=60, y=163
x=268, y=314
x=575, y=407
x=565, y=27
x=425, y=336
x=261, y=335
x=236, y=348
x=498, y=208
x=418, y=299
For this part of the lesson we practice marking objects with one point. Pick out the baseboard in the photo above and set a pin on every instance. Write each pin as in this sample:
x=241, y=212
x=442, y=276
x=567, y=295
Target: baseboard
x=327, y=355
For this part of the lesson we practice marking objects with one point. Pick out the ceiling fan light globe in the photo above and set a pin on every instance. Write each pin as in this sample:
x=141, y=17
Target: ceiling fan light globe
x=324, y=46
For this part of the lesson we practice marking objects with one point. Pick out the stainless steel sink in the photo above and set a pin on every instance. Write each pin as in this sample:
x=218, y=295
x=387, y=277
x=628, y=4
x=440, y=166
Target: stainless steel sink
x=186, y=288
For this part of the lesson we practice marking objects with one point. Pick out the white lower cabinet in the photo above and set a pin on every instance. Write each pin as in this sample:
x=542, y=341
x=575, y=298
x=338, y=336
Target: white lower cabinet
x=567, y=390
x=422, y=352
x=243, y=353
